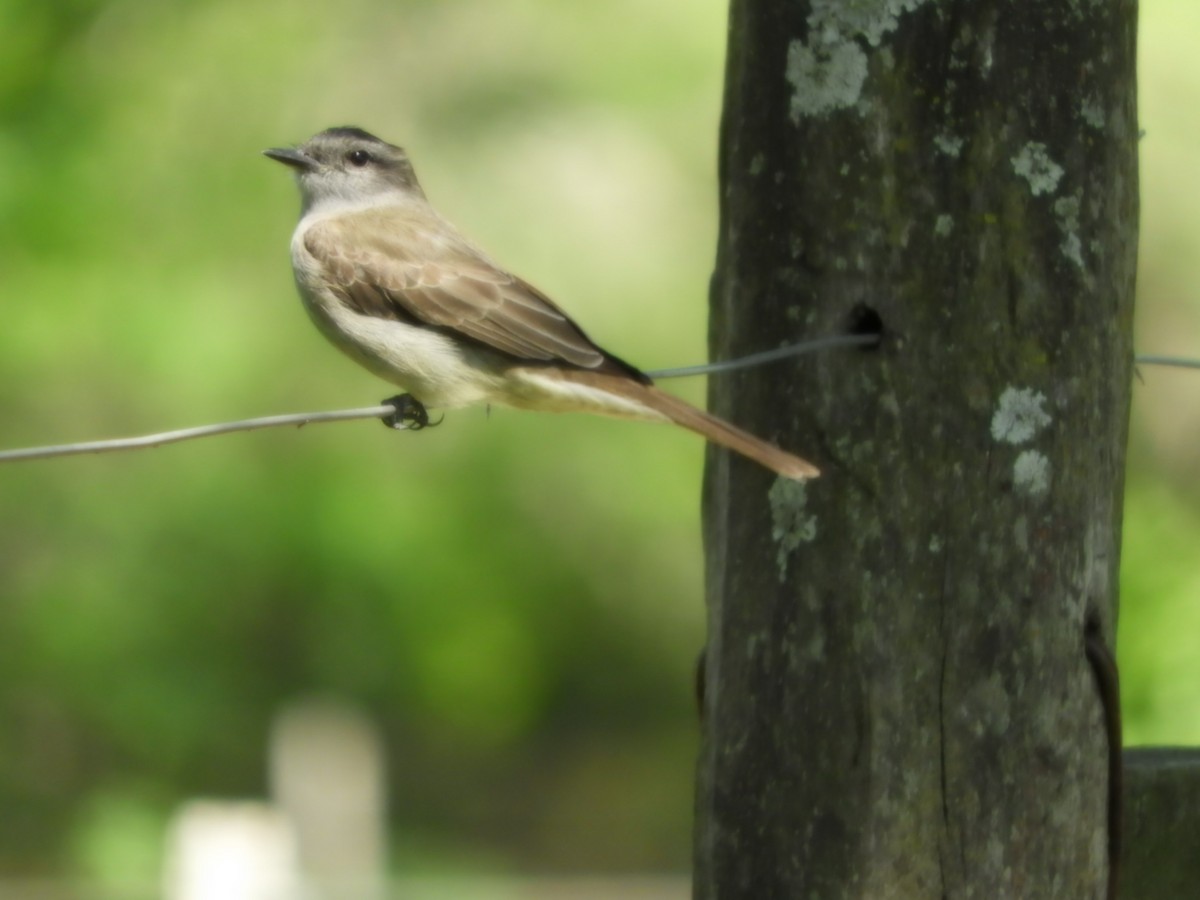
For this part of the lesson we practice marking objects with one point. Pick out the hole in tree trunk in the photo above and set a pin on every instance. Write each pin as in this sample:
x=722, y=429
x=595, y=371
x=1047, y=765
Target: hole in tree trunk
x=865, y=321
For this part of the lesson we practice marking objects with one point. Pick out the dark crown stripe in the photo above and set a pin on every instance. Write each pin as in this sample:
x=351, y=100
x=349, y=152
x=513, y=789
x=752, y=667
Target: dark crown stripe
x=351, y=131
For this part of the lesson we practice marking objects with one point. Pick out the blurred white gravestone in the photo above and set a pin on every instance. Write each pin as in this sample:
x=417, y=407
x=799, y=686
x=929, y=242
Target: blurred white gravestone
x=327, y=775
x=230, y=851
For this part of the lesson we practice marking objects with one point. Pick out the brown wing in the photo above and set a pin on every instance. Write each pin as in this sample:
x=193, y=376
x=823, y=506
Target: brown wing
x=415, y=268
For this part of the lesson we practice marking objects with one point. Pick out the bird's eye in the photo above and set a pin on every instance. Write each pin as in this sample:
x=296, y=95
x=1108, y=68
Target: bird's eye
x=358, y=157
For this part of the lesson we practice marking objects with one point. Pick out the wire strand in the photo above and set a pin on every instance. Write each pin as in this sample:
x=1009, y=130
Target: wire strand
x=159, y=439
x=1177, y=361
x=186, y=434
x=770, y=356
x=115, y=445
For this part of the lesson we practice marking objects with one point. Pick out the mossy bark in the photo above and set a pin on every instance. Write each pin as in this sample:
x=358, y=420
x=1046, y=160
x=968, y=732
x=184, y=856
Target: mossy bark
x=898, y=699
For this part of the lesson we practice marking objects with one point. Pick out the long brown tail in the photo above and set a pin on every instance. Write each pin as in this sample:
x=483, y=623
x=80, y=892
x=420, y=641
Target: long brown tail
x=611, y=394
x=723, y=433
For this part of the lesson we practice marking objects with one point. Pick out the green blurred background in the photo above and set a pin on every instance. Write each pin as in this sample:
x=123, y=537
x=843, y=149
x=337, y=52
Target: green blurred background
x=516, y=599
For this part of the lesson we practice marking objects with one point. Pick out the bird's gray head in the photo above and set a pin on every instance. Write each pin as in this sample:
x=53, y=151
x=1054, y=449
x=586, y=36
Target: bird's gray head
x=349, y=165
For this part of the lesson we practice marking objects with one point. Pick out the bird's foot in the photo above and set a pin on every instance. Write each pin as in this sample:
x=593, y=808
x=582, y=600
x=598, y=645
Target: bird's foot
x=410, y=414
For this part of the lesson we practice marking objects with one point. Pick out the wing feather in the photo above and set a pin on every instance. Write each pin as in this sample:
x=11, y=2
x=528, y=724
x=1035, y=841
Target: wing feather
x=410, y=270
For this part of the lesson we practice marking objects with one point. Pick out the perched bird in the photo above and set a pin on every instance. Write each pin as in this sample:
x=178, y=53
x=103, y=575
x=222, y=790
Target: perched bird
x=401, y=291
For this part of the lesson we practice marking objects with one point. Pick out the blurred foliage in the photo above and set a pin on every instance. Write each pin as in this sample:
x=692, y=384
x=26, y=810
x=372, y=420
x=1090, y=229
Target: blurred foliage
x=517, y=599
x=1160, y=569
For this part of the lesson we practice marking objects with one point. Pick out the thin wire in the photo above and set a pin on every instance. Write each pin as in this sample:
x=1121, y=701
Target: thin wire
x=1178, y=361
x=377, y=412
x=770, y=356
x=187, y=434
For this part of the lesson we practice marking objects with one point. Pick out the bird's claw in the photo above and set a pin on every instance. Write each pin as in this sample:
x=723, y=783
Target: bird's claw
x=409, y=414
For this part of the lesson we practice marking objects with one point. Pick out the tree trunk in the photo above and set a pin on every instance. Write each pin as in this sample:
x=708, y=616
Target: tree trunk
x=901, y=693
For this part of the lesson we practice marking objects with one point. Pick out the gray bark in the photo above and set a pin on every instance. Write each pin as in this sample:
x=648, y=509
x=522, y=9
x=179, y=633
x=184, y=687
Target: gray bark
x=899, y=702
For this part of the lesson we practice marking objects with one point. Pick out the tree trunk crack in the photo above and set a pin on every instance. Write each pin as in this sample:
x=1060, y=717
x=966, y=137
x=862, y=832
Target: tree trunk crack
x=946, y=841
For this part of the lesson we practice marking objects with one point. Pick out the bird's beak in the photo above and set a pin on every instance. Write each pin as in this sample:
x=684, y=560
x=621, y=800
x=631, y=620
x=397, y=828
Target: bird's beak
x=293, y=158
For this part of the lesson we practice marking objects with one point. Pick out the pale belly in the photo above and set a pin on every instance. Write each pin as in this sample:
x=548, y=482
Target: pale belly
x=434, y=368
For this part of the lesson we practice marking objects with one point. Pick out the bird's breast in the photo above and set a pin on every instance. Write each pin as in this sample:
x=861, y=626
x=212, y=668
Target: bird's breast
x=433, y=366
